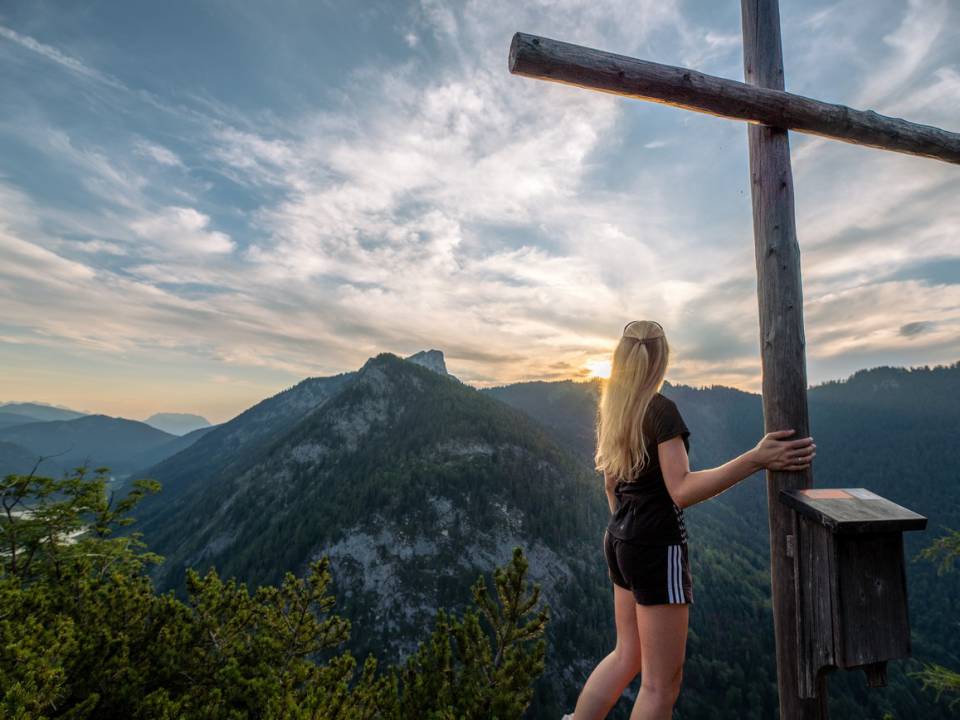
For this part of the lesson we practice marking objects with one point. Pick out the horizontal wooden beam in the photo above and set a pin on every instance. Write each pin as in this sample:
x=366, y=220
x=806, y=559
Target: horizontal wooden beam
x=547, y=59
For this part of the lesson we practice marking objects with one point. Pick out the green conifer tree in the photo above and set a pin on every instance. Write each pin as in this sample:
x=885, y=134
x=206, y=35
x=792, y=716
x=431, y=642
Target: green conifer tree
x=483, y=666
x=945, y=551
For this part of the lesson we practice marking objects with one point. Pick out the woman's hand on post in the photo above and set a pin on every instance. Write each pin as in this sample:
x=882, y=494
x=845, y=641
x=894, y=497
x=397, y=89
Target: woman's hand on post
x=775, y=453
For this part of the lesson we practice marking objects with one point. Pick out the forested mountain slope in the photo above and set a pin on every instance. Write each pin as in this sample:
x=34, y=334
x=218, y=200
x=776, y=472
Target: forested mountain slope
x=413, y=483
x=232, y=445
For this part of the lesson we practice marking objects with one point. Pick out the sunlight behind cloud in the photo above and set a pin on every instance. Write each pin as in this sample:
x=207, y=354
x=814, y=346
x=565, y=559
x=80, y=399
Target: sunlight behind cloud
x=599, y=368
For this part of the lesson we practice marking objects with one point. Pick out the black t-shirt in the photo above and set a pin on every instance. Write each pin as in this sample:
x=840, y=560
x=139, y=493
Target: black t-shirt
x=646, y=514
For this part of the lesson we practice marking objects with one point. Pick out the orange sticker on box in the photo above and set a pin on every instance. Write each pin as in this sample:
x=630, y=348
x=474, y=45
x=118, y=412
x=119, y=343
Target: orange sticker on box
x=817, y=494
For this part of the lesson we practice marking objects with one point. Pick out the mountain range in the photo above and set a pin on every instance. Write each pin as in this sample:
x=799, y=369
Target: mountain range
x=413, y=483
x=39, y=411
x=55, y=440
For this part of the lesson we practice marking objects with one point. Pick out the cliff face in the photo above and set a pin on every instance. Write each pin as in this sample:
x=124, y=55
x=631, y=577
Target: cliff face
x=430, y=359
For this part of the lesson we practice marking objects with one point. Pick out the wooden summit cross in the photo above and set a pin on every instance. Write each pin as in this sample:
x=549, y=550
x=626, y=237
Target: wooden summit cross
x=771, y=112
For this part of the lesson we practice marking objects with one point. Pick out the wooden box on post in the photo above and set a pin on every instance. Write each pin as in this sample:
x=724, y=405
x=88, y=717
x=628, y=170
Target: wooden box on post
x=850, y=581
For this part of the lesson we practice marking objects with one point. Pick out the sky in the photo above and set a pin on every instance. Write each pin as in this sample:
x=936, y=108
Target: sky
x=203, y=203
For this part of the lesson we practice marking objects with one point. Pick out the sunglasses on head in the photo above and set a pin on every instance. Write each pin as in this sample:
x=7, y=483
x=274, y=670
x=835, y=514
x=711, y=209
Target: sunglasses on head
x=633, y=321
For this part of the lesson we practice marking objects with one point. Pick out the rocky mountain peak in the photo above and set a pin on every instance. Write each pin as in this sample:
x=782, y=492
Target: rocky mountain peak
x=430, y=359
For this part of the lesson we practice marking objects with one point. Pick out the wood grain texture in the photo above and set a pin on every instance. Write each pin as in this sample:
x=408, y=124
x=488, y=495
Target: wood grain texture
x=873, y=619
x=782, y=342
x=815, y=574
x=851, y=595
x=546, y=59
x=855, y=514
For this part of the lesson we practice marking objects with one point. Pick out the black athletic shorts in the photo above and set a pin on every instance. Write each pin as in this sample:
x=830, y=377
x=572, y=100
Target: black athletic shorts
x=655, y=574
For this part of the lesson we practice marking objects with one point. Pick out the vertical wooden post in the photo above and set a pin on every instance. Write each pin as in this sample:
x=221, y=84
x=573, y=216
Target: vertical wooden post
x=781, y=336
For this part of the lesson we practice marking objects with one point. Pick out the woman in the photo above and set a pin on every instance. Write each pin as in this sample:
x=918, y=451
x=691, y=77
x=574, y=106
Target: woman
x=642, y=444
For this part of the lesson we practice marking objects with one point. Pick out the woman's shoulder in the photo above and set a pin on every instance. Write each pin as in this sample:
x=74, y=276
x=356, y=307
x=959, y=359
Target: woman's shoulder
x=660, y=411
x=659, y=400
x=663, y=401
x=655, y=406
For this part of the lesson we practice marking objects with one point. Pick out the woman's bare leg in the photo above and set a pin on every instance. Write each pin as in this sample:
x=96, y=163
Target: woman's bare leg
x=609, y=679
x=663, y=637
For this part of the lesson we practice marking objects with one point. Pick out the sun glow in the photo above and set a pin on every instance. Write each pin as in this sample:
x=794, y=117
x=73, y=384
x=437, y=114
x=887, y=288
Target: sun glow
x=599, y=368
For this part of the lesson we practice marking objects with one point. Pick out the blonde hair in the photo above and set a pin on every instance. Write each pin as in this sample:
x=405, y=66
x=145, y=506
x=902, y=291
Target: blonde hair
x=636, y=375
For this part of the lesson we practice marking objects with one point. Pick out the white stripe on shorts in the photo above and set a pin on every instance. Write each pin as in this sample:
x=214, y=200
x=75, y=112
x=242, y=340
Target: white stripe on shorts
x=670, y=597
x=671, y=585
x=683, y=599
x=674, y=575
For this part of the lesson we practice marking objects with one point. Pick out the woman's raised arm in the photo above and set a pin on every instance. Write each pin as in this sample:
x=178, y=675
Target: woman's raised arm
x=688, y=487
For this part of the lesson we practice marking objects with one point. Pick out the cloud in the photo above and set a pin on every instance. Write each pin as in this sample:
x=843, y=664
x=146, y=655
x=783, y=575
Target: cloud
x=433, y=200
x=158, y=153
x=181, y=230
x=106, y=177
x=254, y=159
x=857, y=320
x=100, y=246
x=52, y=54
x=911, y=43
x=915, y=328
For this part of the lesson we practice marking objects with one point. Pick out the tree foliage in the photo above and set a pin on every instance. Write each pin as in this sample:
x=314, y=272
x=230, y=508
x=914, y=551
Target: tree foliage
x=944, y=551
x=84, y=634
x=463, y=672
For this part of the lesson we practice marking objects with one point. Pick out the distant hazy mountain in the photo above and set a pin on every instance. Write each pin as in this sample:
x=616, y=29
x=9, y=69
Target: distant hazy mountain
x=177, y=423
x=40, y=411
x=413, y=483
x=92, y=440
x=11, y=419
x=155, y=454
